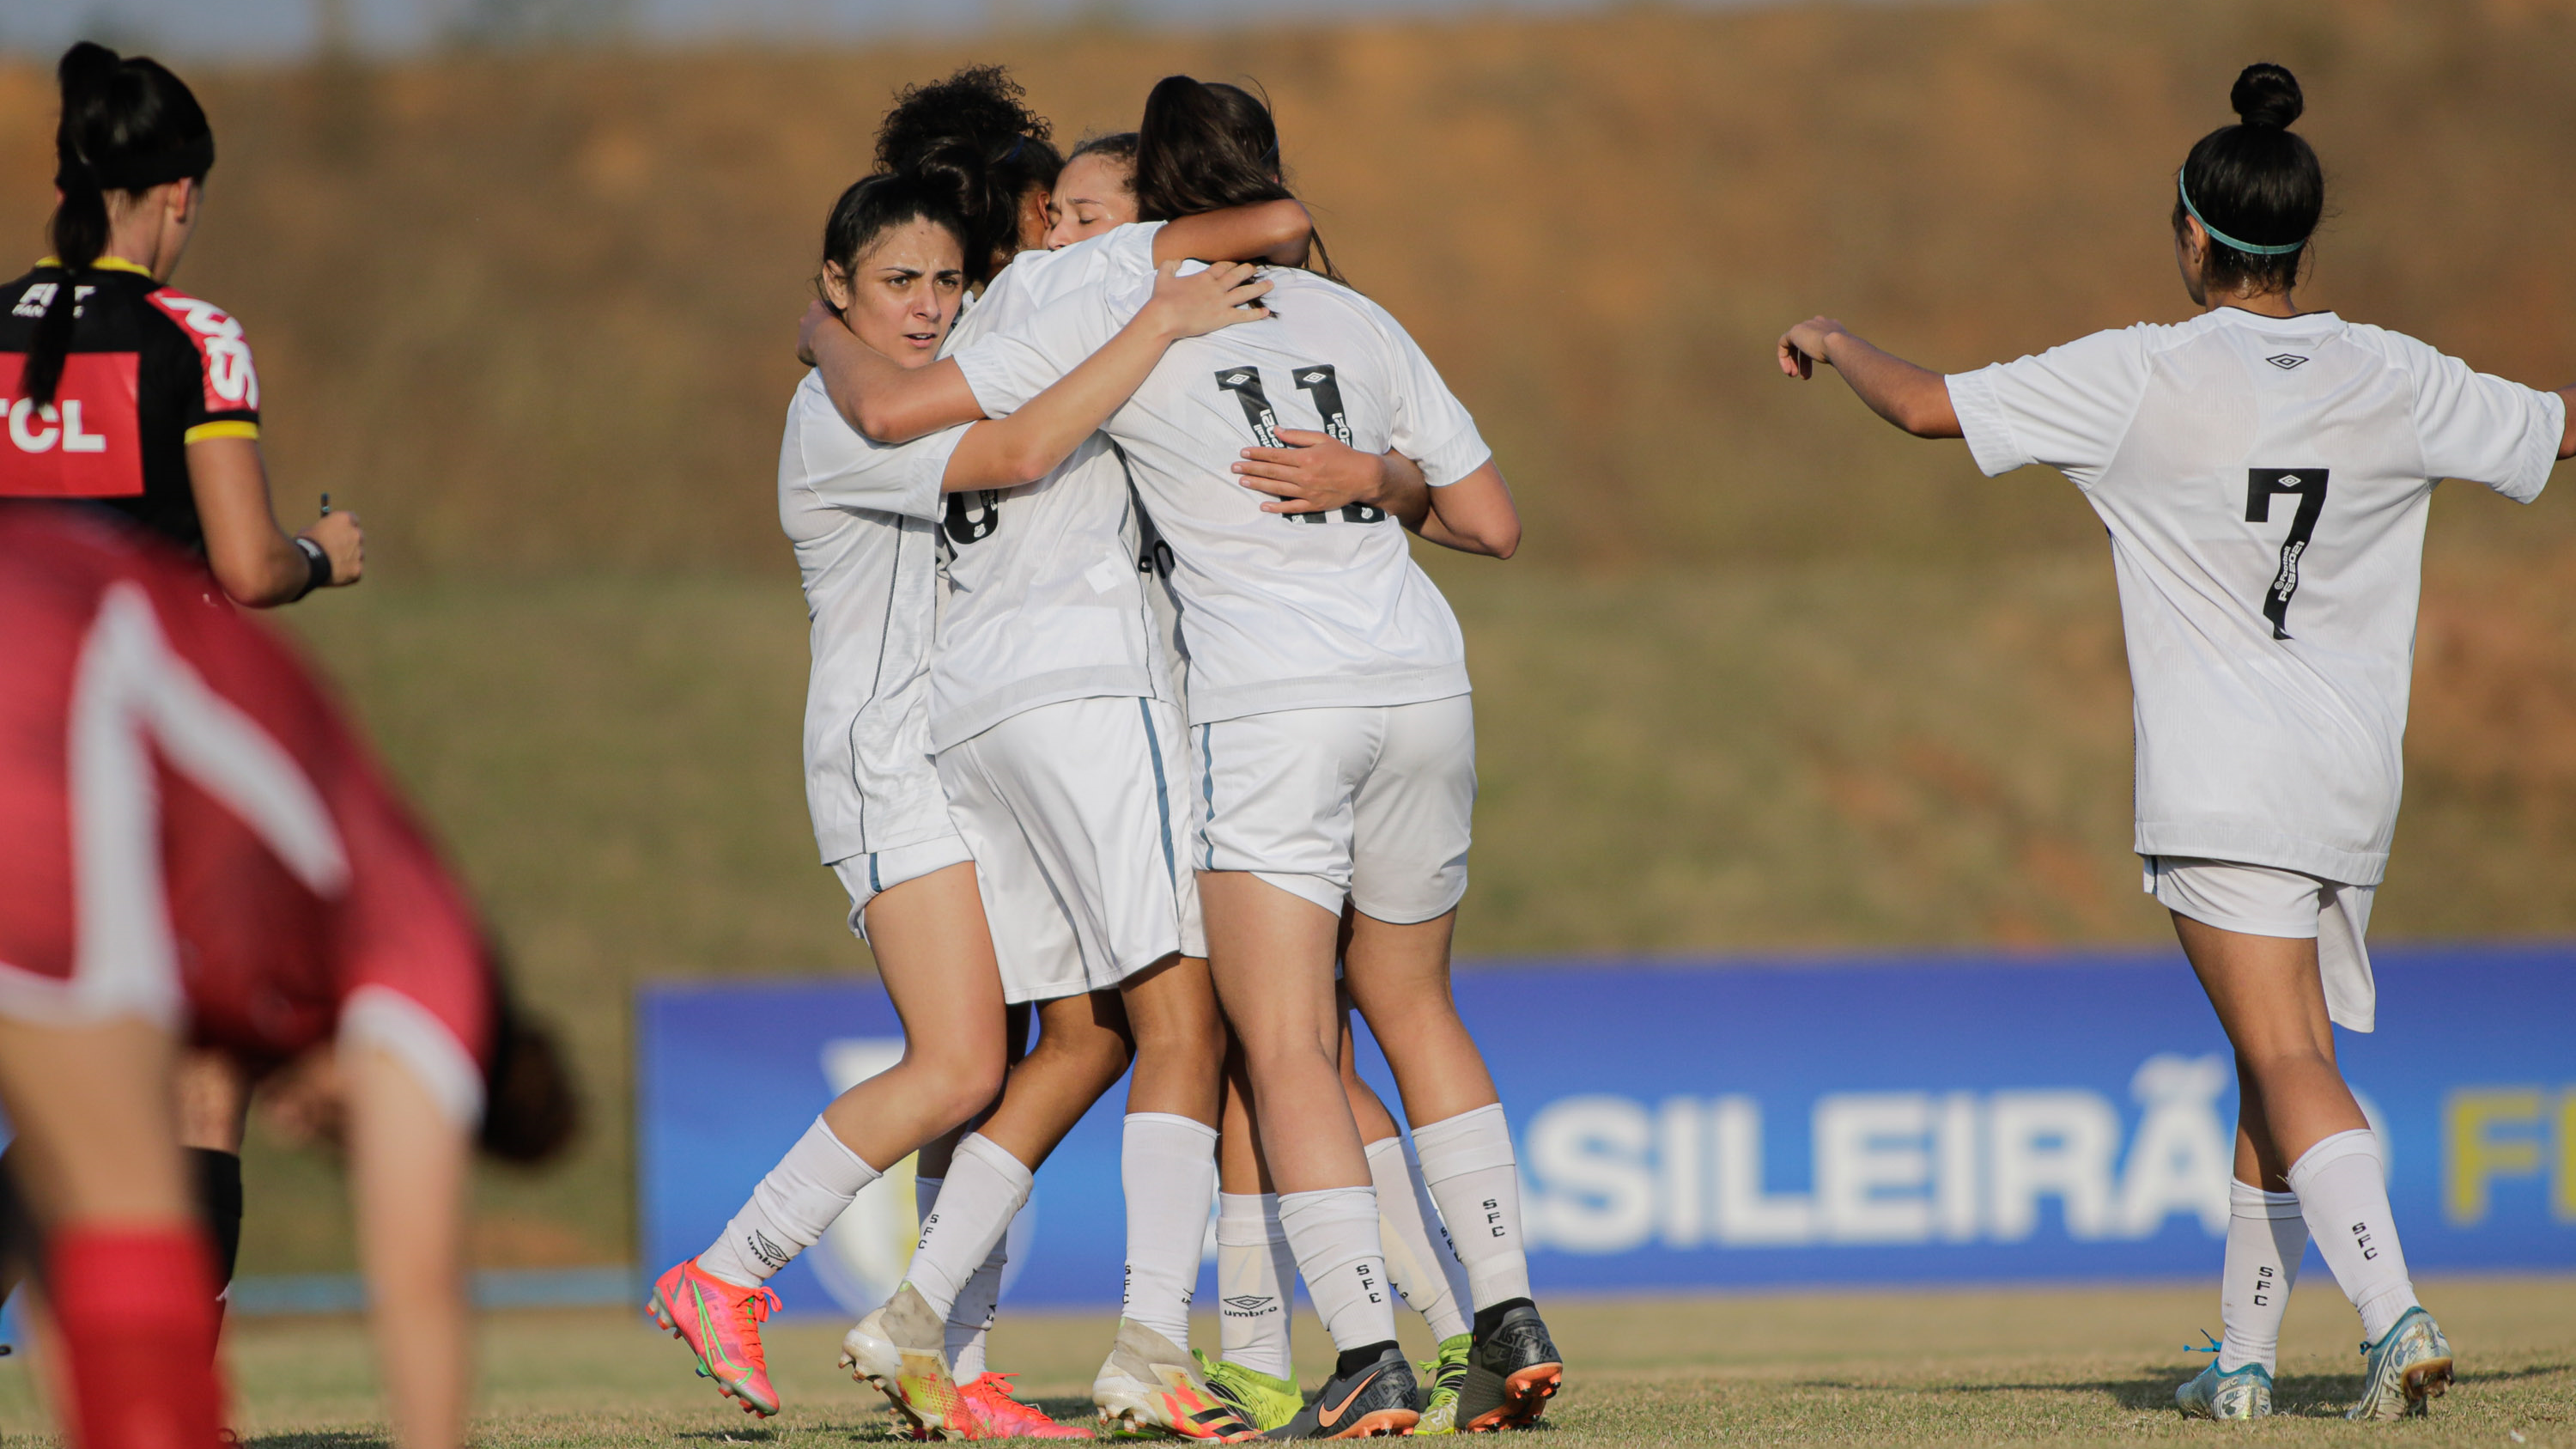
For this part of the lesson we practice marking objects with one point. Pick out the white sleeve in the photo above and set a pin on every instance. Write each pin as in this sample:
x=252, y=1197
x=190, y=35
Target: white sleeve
x=1007, y=369
x=2068, y=407
x=827, y=456
x=2482, y=429
x=1426, y=422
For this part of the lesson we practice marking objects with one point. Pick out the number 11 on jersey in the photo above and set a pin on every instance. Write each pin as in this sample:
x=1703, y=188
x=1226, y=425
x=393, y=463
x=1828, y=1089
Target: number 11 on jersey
x=1320, y=381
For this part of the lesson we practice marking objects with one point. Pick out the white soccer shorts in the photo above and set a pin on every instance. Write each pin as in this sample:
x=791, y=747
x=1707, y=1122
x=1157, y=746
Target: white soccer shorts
x=1078, y=815
x=1372, y=805
x=865, y=876
x=2263, y=900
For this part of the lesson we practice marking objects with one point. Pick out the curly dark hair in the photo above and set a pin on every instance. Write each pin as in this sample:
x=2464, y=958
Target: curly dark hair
x=976, y=129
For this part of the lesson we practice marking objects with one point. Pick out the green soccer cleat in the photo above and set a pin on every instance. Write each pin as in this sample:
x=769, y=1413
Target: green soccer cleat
x=1265, y=1402
x=2244, y=1393
x=1444, y=1372
x=2409, y=1365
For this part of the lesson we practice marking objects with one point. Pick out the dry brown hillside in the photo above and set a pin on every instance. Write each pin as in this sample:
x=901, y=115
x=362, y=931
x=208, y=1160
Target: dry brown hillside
x=527, y=309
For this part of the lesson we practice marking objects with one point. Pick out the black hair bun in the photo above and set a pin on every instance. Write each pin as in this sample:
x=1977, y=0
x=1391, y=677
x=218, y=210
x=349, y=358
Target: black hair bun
x=2267, y=95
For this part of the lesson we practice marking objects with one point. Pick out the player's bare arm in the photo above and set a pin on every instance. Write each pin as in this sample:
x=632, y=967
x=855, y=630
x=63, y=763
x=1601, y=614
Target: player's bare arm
x=409, y=1165
x=1318, y=473
x=887, y=403
x=2567, y=439
x=1914, y=398
x=1028, y=444
x=1475, y=514
x=254, y=560
x=1269, y=231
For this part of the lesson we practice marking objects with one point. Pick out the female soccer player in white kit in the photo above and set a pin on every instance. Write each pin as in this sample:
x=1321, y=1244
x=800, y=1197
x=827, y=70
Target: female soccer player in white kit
x=1061, y=744
x=1335, y=760
x=895, y=261
x=2264, y=475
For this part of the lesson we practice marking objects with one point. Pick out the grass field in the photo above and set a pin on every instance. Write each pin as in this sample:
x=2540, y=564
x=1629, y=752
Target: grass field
x=2081, y=1366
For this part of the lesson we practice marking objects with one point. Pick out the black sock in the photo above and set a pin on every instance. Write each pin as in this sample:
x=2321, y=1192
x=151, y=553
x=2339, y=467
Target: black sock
x=1353, y=1360
x=1490, y=1317
x=219, y=1204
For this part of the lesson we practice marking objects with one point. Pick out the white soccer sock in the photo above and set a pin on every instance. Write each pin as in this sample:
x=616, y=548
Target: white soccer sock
x=1333, y=1232
x=789, y=1210
x=1168, y=1165
x=1424, y=1267
x=2266, y=1237
x=1254, y=1271
x=984, y=1190
x=1467, y=1161
x=970, y=1319
x=2343, y=1193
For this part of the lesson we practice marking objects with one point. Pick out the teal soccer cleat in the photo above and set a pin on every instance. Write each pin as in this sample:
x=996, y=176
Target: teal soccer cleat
x=2244, y=1393
x=2409, y=1365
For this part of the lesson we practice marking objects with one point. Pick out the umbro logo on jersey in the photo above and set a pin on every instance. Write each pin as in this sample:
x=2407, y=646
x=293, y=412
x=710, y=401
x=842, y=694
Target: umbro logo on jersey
x=2285, y=360
x=1238, y=379
x=1312, y=378
x=1249, y=1302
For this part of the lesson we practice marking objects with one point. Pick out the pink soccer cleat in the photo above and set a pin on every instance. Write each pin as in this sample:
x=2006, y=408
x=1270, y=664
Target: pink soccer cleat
x=721, y=1325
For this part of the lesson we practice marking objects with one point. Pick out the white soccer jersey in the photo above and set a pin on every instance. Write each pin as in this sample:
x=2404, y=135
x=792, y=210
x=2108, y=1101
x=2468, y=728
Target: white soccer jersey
x=2265, y=483
x=862, y=518
x=1278, y=611
x=1044, y=601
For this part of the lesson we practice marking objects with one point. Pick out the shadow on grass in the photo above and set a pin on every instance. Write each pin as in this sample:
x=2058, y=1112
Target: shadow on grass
x=2312, y=1395
x=320, y=1439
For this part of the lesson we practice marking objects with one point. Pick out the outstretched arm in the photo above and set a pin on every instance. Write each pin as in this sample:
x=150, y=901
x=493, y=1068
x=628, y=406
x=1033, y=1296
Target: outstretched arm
x=1914, y=398
x=1026, y=446
x=2567, y=438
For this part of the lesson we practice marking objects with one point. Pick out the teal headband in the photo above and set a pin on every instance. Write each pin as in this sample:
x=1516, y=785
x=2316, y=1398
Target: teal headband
x=2219, y=236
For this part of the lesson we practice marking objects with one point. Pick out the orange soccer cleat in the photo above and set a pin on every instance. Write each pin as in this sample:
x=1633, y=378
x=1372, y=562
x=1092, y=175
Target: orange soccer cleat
x=996, y=1415
x=721, y=1325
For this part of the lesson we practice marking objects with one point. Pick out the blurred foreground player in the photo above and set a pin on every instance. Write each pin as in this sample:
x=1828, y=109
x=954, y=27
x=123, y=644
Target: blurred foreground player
x=2264, y=474
x=195, y=851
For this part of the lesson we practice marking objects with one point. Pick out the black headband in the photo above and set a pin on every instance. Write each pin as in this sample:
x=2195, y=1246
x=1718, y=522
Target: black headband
x=136, y=173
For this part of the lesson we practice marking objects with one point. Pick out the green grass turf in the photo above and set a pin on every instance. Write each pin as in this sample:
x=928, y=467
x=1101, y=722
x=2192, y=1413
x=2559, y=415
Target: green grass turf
x=2076, y=1366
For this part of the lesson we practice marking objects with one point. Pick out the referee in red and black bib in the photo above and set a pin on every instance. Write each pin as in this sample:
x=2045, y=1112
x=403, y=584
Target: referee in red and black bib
x=119, y=392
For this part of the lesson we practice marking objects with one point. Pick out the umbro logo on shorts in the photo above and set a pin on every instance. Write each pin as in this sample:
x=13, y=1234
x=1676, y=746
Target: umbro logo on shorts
x=2285, y=360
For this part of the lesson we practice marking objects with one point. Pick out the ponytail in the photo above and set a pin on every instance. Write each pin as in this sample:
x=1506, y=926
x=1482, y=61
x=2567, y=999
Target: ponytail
x=1205, y=146
x=127, y=125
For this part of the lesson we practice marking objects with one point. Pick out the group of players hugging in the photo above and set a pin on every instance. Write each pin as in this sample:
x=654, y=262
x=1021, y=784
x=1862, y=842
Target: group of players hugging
x=1130, y=712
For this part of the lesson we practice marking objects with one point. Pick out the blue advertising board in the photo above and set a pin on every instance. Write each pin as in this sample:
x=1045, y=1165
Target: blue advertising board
x=1942, y=1119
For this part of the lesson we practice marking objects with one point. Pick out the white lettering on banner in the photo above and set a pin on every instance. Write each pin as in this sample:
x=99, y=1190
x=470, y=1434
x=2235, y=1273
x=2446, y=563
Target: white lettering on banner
x=2181, y=1157
x=1873, y=1170
x=2051, y=1144
x=1746, y=1214
x=1593, y=1149
x=1609, y=1175
x=1678, y=1133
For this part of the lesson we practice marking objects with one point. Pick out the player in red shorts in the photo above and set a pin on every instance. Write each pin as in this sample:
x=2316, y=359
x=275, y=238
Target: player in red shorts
x=195, y=851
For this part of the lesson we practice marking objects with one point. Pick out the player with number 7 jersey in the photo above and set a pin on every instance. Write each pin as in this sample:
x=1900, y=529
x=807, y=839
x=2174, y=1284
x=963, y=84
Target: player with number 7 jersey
x=2264, y=474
